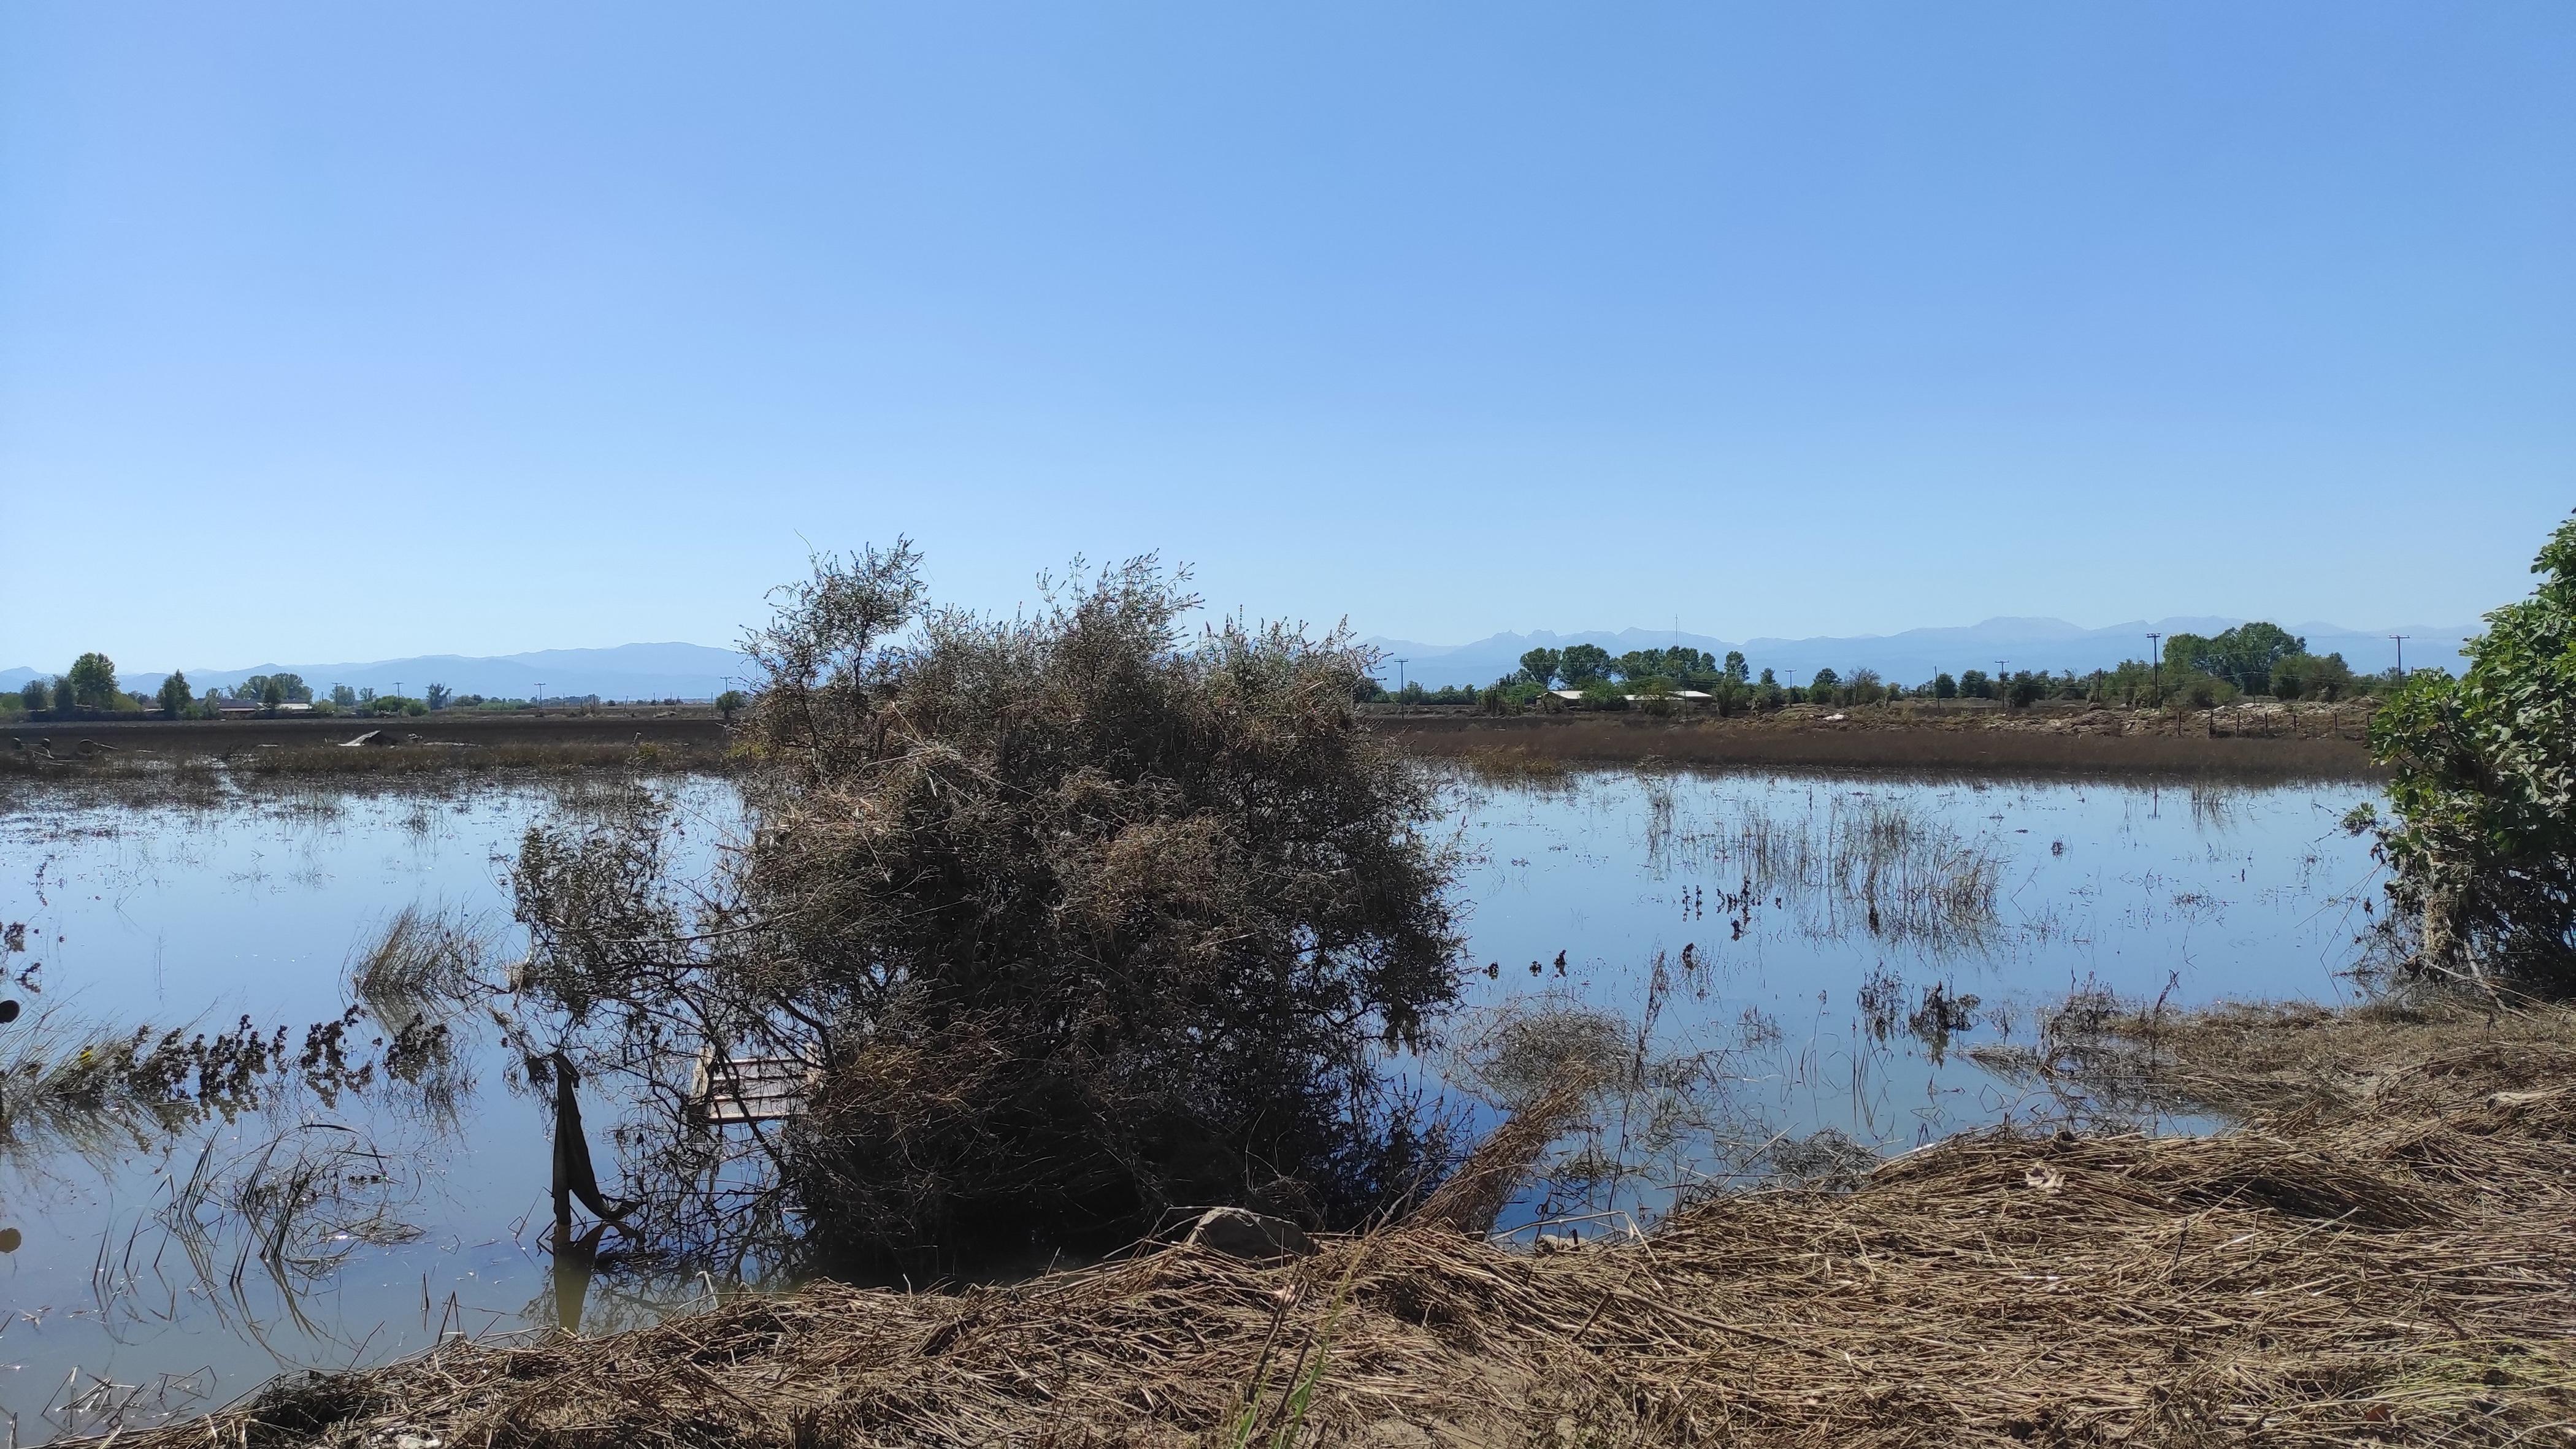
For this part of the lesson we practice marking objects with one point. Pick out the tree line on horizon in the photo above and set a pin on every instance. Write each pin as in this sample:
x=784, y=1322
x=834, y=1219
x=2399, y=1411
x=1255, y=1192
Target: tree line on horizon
x=91, y=685
x=2203, y=671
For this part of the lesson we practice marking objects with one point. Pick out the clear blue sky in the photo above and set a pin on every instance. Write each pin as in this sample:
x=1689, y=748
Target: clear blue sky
x=336, y=331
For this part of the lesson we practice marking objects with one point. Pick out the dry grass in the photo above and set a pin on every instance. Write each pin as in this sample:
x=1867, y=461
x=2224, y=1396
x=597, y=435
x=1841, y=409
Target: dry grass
x=2379, y=1255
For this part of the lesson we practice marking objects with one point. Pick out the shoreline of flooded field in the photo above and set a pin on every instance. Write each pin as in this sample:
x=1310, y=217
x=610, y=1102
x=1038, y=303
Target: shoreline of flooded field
x=1781, y=976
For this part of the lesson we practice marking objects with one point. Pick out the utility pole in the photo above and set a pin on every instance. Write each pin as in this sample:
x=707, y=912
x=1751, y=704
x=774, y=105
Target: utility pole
x=541, y=692
x=2156, y=666
x=1399, y=676
x=2401, y=652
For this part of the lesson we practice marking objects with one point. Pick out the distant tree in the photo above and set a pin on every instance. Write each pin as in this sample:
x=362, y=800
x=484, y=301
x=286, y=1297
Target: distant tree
x=92, y=681
x=34, y=693
x=1677, y=663
x=1974, y=685
x=1944, y=687
x=366, y=695
x=438, y=696
x=730, y=702
x=174, y=694
x=1542, y=667
x=1823, y=687
x=1864, y=686
x=272, y=691
x=343, y=696
x=1735, y=666
x=2305, y=676
x=2243, y=656
x=1768, y=682
x=2026, y=689
x=1582, y=664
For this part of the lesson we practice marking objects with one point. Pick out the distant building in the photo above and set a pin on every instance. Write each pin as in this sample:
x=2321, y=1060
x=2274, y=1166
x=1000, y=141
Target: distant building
x=1686, y=696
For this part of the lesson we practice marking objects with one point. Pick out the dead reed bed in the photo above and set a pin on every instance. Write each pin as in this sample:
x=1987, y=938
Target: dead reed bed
x=2378, y=1255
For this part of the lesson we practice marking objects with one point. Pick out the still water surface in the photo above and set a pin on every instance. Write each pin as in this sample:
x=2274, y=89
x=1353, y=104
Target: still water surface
x=1763, y=941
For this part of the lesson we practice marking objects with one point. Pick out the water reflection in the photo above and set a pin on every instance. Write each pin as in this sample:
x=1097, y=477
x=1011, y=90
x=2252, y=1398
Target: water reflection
x=1774, y=979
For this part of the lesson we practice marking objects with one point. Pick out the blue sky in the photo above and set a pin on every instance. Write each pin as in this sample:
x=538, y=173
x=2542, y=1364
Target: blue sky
x=333, y=331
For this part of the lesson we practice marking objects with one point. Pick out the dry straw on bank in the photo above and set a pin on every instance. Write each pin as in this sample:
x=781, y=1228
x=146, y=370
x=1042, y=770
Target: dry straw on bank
x=2380, y=1256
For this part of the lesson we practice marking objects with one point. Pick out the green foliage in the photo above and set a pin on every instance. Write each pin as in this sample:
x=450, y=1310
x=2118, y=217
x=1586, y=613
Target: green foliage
x=276, y=689
x=2305, y=676
x=343, y=696
x=1580, y=664
x=1542, y=667
x=438, y=696
x=2243, y=656
x=34, y=693
x=2207, y=691
x=2484, y=852
x=1975, y=685
x=1944, y=687
x=1677, y=664
x=1735, y=670
x=1602, y=694
x=2025, y=689
x=731, y=703
x=174, y=694
x=92, y=681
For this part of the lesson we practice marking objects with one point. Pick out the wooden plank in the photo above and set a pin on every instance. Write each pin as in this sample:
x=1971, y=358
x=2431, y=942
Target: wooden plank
x=750, y=1089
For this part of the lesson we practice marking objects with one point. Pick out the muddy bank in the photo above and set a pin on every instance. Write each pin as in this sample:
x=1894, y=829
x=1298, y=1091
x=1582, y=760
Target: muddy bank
x=450, y=740
x=2258, y=741
x=2248, y=741
x=2377, y=1254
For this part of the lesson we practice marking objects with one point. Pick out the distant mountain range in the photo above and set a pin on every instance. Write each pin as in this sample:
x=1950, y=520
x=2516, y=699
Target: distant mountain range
x=1917, y=654
x=629, y=671
x=694, y=671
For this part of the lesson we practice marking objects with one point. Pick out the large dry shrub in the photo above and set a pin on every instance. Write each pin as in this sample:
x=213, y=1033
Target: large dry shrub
x=1085, y=918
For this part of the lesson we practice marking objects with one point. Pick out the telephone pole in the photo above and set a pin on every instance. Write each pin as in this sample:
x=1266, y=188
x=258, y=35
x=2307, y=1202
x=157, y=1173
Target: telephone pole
x=2156, y=666
x=2401, y=652
x=1399, y=675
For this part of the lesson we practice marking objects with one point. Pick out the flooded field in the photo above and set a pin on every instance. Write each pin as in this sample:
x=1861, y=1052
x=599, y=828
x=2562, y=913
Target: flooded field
x=1781, y=976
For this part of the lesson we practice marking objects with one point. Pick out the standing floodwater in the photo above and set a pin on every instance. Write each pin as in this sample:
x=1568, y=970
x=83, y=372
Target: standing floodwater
x=1786, y=963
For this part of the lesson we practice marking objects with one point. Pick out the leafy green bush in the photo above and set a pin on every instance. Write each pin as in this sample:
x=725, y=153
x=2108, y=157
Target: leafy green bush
x=2484, y=851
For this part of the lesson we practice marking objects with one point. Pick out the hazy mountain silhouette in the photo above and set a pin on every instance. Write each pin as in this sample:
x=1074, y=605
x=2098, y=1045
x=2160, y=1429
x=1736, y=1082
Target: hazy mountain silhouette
x=696, y=671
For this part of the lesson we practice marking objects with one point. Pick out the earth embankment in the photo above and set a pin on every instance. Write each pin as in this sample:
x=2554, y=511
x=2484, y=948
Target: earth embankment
x=2251, y=741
